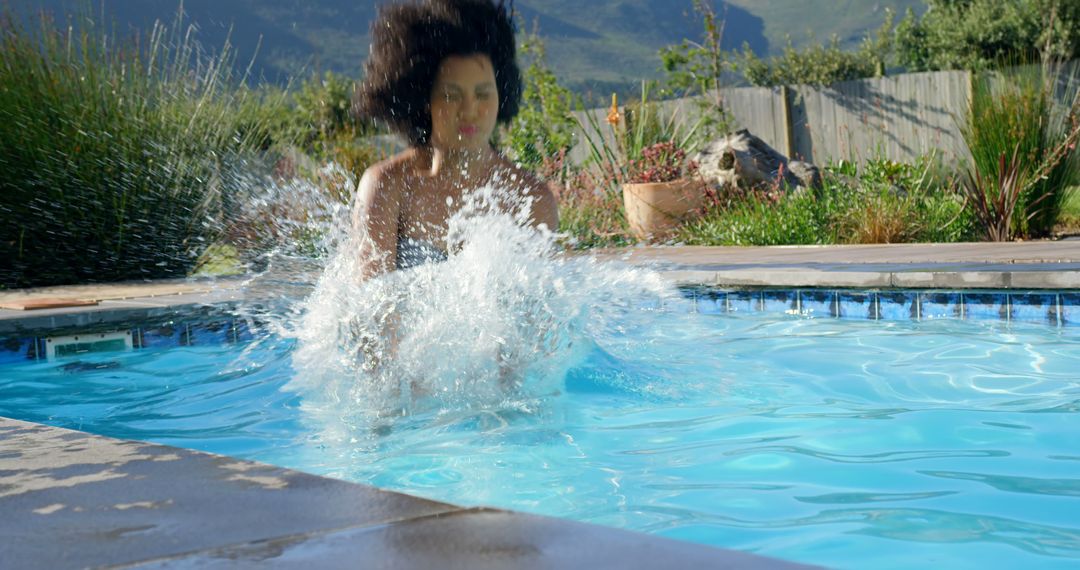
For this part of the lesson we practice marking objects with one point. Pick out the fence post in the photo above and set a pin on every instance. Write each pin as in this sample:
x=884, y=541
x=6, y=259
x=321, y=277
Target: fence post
x=789, y=139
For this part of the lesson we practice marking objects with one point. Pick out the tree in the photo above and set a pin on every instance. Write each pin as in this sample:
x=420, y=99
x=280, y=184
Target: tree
x=978, y=34
x=698, y=69
x=544, y=126
x=821, y=64
x=697, y=66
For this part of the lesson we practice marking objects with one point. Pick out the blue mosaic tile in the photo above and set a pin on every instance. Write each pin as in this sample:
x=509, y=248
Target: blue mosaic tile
x=940, y=306
x=853, y=305
x=210, y=333
x=1070, y=309
x=818, y=303
x=691, y=292
x=898, y=305
x=1038, y=308
x=986, y=306
x=712, y=302
x=14, y=350
x=167, y=336
x=780, y=301
x=744, y=301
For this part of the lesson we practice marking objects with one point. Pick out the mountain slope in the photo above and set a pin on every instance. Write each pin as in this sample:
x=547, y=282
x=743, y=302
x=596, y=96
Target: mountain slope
x=597, y=42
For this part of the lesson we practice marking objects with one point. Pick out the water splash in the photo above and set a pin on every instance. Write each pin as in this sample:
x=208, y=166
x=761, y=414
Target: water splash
x=497, y=325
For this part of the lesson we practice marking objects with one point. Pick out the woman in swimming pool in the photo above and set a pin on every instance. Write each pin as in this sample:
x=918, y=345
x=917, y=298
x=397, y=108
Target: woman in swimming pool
x=441, y=73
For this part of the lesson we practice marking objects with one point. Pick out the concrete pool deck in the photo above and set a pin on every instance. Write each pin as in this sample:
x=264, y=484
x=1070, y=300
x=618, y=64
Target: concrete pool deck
x=75, y=500
x=1012, y=265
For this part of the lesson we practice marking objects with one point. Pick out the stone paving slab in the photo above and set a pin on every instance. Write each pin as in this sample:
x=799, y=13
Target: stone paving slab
x=1033, y=252
x=962, y=280
x=114, y=312
x=1019, y=265
x=75, y=500
x=125, y=290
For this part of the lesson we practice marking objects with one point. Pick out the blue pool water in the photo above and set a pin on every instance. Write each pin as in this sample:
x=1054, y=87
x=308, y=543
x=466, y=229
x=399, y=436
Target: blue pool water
x=845, y=443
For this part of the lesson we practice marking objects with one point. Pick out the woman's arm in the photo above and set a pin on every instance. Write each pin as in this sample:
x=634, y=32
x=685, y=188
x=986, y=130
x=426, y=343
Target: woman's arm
x=545, y=205
x=545, y=210
x=375, y=221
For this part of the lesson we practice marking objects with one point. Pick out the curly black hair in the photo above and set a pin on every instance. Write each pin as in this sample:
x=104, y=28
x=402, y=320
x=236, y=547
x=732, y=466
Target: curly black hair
x=408, y=43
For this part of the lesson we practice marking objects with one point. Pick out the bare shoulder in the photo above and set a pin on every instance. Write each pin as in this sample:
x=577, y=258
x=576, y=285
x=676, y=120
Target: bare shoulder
x=386, y=176
x=545, y=208
x=379, y=193
x=526, y=179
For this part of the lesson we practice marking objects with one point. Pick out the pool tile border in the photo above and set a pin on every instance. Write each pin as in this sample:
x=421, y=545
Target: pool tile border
x=1051, y=308
x=162, y=335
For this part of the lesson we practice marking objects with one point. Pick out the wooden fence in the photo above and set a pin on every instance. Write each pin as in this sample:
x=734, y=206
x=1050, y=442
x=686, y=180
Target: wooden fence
x=900, y=117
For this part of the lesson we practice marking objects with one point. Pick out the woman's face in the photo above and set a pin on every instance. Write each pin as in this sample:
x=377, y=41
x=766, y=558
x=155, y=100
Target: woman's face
x=464, y=103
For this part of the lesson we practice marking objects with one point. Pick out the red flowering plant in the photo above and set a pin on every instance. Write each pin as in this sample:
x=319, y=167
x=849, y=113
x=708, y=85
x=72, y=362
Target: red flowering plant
x=660, y=162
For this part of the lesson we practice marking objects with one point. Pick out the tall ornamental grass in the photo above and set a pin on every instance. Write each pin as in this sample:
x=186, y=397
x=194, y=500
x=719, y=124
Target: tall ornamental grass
x=1021, y=130
x=121, y=158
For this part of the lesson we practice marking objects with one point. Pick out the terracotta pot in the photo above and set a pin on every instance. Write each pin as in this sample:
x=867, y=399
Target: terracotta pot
x=655, y=209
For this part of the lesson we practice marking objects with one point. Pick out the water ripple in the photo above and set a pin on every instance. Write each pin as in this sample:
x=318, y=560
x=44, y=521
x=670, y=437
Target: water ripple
x=882, y=457
x=858, y=498
x=1013, y=484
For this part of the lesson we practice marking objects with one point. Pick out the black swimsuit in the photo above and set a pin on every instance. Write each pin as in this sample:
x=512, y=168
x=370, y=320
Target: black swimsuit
x=413, y=252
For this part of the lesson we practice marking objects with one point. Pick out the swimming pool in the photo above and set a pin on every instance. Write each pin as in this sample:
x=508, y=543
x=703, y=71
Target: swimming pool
x=916, y=427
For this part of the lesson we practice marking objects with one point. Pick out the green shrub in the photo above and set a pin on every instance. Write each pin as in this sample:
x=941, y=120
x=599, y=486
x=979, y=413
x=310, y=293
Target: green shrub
x=120, y=158
x=885, y=202
x=796, y=219
x=322, y=109
x=897, y=202
x=821, y=64
x=979, y=34
x=647, y=123
x=1068, y=222
x=544, y=127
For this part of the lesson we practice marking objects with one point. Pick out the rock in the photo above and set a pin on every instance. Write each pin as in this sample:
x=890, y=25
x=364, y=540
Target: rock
x=746, y=161
x=809, y=175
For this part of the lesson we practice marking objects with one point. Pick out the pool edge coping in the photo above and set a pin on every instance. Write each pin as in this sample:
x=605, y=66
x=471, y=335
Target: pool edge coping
x=1039, y=265
x=124, y=489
